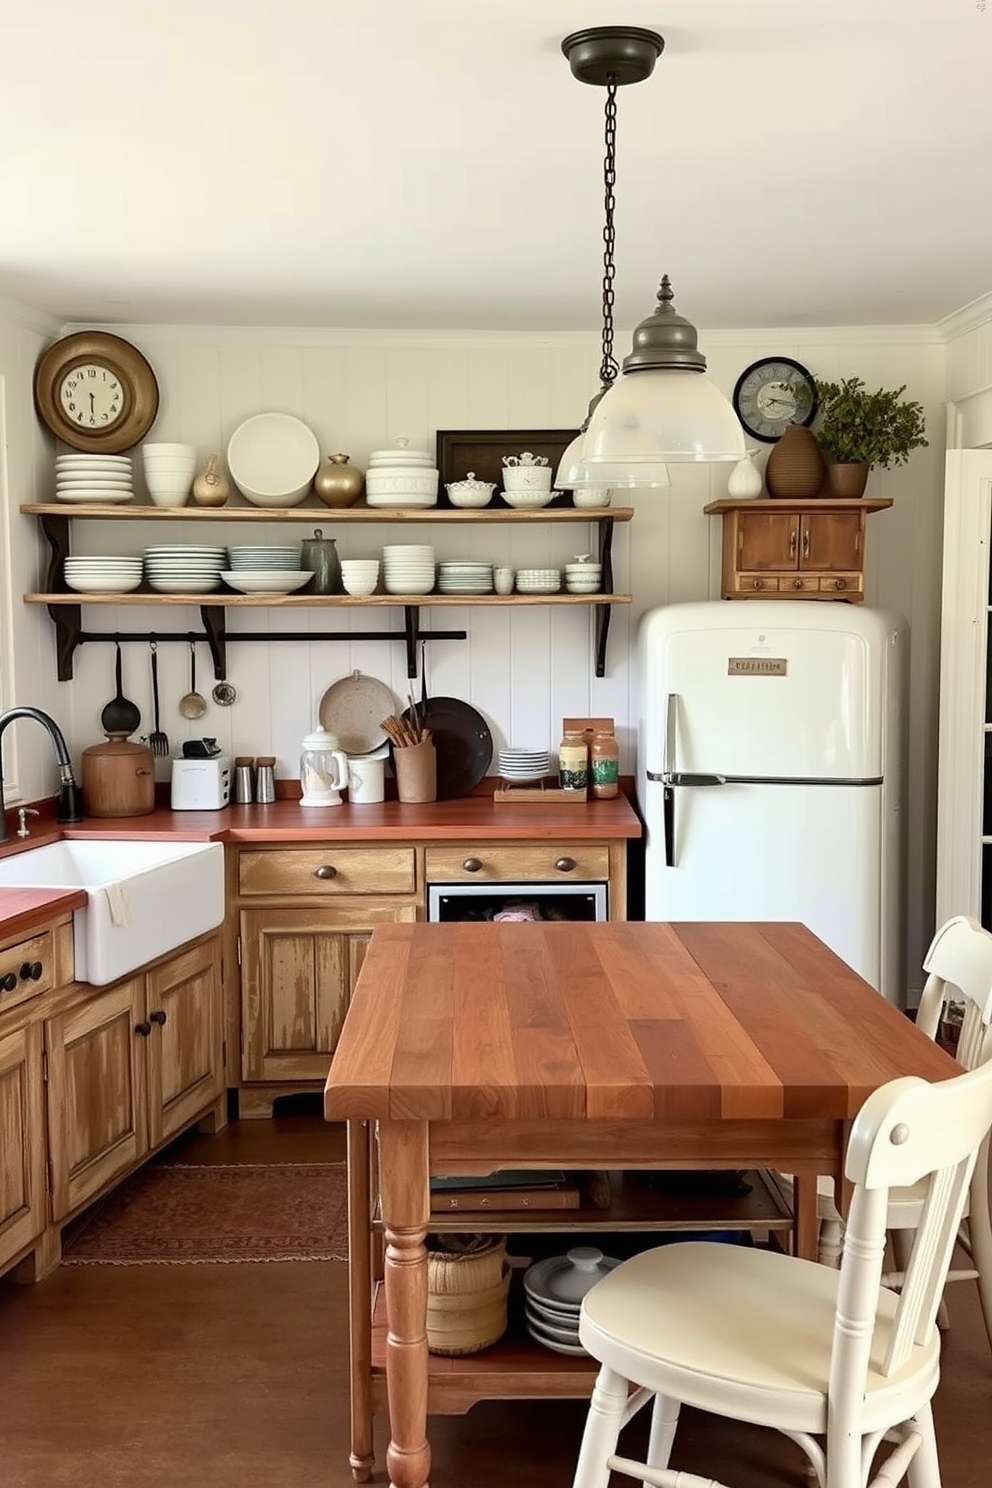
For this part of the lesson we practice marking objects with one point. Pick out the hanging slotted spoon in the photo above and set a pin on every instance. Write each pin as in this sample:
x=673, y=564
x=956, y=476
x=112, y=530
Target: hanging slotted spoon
x=158, y=739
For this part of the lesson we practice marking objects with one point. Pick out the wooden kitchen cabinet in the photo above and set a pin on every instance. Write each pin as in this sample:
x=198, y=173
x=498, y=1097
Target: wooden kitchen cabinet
x=129, y=1066
x=23, y=1197
x=784, y=549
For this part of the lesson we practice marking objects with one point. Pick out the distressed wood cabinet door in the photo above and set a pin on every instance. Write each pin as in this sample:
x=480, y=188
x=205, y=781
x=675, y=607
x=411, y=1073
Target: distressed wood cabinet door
x=23, y=1204
x=185, y=1048
x=298, y=968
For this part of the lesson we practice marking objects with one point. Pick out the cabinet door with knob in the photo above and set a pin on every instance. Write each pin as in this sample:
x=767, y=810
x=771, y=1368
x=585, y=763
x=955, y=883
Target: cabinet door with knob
x=128, y=1067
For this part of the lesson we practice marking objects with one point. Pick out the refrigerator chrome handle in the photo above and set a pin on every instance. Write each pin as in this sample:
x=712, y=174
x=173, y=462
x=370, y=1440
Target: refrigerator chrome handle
x=668, y=767
x=686, y=777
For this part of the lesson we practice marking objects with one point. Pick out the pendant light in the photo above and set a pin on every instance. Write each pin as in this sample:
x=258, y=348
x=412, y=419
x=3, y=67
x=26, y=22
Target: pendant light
x=661, y=407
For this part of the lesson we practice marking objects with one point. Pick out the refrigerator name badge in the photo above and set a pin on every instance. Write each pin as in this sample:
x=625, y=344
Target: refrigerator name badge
x=757, y=666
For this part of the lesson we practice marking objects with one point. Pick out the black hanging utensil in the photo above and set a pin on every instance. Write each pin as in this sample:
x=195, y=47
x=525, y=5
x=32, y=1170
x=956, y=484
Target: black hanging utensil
x=158, y=739
x=120, y=716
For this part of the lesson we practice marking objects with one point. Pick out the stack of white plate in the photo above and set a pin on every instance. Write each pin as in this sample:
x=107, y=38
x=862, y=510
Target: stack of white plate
x=538, y=580
x=464, y=576
x=401, y=477
x=408, y=568
x=100, y=575
x=553, y=1292
x=522, y=765
x=583, y=578
x=184, y=568
x=93, y=478
x=266, y=558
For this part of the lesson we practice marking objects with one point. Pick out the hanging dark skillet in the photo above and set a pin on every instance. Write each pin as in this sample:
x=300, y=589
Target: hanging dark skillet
x=461, y=737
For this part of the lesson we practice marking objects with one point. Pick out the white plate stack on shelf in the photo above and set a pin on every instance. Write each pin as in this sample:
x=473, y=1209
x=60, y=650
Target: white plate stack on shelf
x=538, y=580
x=266, y=569
x=184, y=568
x=408, y=568
x=464, y=576
x=583, y=575
x=93, y=478
x=553, y=1292
x=103, y=575
x=523, y=766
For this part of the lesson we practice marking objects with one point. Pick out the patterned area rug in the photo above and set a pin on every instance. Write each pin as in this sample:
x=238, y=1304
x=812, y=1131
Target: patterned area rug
x=180, y=1216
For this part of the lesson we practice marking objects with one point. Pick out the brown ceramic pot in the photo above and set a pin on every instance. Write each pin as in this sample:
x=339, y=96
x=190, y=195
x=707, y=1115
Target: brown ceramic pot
x=848, y=481
x=795, y=466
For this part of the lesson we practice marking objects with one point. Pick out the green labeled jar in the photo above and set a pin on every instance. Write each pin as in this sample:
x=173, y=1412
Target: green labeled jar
x=573, y=764
x=604, y=760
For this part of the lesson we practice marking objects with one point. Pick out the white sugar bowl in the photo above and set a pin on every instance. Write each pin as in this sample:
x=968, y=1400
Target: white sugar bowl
x=470, y=492
x=526, y=472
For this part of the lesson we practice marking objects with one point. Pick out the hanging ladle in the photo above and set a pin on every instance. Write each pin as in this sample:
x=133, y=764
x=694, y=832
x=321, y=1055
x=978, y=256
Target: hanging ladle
x=120, y=716
x=192, y=704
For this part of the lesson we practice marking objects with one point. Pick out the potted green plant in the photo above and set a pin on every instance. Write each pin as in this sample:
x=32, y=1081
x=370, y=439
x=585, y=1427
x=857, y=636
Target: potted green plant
x=857, y=429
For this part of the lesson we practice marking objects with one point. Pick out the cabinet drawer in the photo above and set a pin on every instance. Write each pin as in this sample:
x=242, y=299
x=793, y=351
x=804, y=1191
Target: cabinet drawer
x=845, y=583
x=749, y=583
x=328, y=870
x=539, y=861
x=29, y=967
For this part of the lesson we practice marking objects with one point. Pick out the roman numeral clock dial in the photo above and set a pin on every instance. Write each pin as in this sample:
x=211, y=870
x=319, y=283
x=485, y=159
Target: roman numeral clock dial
x=773, y=393
x=96, y=391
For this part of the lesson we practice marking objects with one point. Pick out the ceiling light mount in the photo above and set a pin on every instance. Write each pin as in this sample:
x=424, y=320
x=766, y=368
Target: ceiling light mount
x=622, y=54
x=665, y=339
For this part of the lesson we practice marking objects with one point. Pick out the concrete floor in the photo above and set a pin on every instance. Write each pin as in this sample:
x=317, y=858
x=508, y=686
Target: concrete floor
x=220, y=1376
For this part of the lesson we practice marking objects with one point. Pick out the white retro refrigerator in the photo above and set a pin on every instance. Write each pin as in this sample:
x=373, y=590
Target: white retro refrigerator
x=770, y=771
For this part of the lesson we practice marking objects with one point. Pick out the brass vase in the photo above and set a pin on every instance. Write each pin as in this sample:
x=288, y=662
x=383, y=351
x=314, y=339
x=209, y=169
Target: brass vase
x=211, y=487
x=795, y=466
x=337, y=483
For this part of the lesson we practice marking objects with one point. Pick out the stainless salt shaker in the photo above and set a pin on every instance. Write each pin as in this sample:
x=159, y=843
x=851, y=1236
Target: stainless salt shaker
x=265, y=784
x=244, y=779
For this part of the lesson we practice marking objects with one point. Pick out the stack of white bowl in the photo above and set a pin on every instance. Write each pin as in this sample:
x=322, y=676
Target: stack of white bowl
x=464, y=576
x=169, y=471
x=522, y=765
x=184, y=568
x=93, y=478
x=408, y=568
x=359, y=575
x=103, y=575
x=538, y=580
x=583, y=578
x=401, y=477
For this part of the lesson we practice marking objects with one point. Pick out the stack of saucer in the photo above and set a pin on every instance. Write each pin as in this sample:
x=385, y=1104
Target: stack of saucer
x=520, y=766
x=184, y=568
x=100, y=478
x=103, y=575
x=265, y=557
x=464, y=576
x=553, y=1292
x=408, y=568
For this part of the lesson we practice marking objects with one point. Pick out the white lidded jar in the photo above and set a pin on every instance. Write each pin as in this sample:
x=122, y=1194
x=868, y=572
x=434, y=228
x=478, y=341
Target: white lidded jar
x=323, y=769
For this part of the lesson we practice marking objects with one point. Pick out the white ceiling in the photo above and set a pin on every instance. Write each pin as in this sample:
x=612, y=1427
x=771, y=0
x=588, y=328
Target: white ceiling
x=432, y=163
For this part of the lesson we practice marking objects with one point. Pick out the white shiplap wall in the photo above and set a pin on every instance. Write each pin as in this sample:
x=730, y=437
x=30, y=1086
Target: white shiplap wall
x=523, y=670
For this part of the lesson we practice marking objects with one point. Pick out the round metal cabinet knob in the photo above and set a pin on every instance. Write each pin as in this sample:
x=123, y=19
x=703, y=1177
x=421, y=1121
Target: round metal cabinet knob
x=31, y=971
x=159, y=1016
x=757, y=583
x=143, y=1028
x=326, y=870
x=840, y=583
x=565, y=865
x=797, y=583
x=8, y=982
x=472, y=865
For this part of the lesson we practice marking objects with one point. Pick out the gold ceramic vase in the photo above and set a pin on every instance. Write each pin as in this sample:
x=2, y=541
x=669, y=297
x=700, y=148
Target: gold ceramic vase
x=337, y=483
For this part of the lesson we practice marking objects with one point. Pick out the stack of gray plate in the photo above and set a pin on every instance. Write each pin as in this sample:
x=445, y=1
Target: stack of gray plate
x=553, y=1292
x=464, y=576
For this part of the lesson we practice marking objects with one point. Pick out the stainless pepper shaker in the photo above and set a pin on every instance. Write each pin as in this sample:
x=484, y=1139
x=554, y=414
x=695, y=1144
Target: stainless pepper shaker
x=244, y=779
x=265, y=782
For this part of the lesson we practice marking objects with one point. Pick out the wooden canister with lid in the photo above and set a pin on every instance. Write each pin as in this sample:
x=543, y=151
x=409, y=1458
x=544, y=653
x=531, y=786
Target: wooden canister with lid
x=118, y=778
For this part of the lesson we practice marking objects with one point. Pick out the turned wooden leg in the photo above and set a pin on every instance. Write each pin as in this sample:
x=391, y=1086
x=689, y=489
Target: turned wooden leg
x=806, y=1225
x=405, y=1194
x=360, y=1300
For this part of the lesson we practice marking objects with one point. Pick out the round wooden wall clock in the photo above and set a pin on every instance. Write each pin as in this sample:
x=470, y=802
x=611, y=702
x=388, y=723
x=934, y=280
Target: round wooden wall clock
x=773, y=393
x=96, y=391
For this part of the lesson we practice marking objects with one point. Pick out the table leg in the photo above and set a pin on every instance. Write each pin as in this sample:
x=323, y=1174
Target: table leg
x=360, y=1299
x=405, y=1193
x=806, y=1225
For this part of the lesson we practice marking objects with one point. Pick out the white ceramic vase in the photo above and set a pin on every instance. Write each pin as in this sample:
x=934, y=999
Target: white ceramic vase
x=745, y=478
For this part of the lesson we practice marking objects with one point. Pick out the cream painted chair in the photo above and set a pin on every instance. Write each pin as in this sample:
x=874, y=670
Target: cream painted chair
x=831, y=1358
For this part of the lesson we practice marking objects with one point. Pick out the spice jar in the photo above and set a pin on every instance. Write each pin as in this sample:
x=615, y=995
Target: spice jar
x=604, y=764
x=573, y=764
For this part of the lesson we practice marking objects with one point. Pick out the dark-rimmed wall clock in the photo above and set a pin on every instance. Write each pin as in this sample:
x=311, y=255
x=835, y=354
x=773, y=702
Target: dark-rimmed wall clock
x=773, y=393
x=96, y=391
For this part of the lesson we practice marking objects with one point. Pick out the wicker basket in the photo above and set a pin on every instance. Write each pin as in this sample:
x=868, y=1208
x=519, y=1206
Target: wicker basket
x=467, y=1284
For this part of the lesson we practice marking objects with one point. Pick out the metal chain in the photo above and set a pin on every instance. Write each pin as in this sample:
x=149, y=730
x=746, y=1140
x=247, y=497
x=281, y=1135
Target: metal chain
x=609, y=366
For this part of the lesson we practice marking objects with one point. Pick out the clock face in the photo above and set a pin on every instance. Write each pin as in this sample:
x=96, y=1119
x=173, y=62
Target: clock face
x=92, y=396
x=96, y=391
x=773, y=393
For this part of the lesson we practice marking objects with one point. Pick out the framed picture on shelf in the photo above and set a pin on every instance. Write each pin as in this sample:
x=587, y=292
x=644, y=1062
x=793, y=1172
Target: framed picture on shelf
x=481, y=451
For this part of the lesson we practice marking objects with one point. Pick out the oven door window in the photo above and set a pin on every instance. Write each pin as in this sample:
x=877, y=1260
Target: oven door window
x=529, y=901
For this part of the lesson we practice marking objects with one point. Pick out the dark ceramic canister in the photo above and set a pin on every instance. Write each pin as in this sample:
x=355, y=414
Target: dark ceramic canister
x=795, y=467
x=320, y=554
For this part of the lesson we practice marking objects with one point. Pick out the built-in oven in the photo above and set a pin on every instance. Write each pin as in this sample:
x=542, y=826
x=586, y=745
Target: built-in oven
x=524, y=901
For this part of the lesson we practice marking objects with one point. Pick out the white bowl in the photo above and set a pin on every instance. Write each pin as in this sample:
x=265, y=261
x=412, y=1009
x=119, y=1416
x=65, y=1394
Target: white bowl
x=526, y=478
x=273, y=459
x=273, y=582
x=107, y=583
x=401, y=487
x=528, y=500
x=359, y=583
x=154, y=448
x=169, y=498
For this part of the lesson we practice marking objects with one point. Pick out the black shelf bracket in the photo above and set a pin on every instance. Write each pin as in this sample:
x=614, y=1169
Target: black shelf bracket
x=603, y=612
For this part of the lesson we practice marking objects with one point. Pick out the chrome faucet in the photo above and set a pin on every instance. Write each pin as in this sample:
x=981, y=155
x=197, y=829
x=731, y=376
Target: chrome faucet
x=70, y=796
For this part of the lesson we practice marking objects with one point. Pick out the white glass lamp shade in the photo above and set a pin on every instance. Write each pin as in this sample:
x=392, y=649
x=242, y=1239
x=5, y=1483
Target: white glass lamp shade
x=573, y=474
x=664, y=415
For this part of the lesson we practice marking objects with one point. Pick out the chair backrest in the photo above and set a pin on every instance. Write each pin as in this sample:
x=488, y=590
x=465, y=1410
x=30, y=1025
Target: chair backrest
x=959, y=969
x=906, y=1131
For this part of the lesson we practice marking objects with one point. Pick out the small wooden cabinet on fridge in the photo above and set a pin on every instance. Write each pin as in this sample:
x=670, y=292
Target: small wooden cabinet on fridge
x=778, y=548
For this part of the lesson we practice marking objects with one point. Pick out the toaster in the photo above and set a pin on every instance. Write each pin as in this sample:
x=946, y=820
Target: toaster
x=201, y=784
